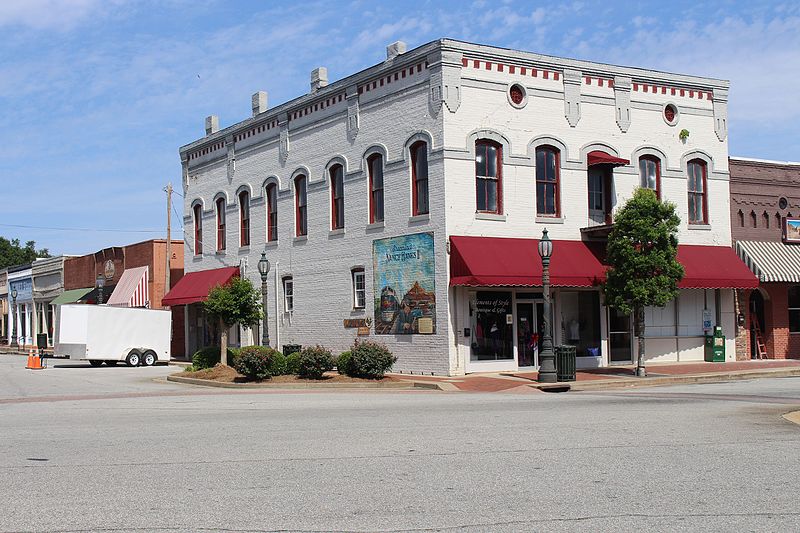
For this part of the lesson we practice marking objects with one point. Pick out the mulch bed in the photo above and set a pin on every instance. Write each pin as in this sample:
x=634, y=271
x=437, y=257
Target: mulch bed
x=226, y=374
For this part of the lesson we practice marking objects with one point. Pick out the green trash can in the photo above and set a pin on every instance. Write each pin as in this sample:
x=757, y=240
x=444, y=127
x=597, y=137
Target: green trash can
x=291, y=348
x=715, y=346
x=565, y=363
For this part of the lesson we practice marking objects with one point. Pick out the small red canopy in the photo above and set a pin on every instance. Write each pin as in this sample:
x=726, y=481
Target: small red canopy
x=194, y=286
x=598, y=157
x=713, y=267
x=493, y=261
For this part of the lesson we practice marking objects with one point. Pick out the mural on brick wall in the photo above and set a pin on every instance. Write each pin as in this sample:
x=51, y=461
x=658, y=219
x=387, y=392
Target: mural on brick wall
x=405, y=298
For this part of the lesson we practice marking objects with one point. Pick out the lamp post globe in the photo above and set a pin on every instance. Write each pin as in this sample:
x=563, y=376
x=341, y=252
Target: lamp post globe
x=263, y=269
x=547, y=364
x=14, y=341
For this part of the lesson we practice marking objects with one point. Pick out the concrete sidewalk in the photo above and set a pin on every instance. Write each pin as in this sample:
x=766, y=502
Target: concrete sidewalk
x=614, y=377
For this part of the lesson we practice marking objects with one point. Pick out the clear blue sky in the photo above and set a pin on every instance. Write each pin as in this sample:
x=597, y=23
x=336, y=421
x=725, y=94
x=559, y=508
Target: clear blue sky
x=96, y=96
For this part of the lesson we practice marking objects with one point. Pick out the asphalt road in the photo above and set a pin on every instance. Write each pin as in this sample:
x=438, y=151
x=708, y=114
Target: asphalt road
x=109, y=449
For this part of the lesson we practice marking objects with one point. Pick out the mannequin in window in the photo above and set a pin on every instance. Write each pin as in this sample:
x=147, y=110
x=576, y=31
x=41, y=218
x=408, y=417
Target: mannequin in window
x=573, y=330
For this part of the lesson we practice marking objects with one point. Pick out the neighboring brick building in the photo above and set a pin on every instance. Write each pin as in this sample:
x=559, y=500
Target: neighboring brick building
x=407, y=199
x=765, y=196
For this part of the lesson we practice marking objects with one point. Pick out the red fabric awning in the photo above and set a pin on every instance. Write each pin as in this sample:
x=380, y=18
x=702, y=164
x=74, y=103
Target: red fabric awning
x=194, y=286
x=492, y=261
x=602, y=158
x=713, y=267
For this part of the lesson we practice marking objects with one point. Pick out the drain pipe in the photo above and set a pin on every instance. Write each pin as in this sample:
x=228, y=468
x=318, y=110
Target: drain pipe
x=277, y=317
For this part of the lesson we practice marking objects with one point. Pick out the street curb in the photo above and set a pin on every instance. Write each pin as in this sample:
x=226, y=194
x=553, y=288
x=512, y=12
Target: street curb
x=396, y=385
x=793, y=417
x=715, y=377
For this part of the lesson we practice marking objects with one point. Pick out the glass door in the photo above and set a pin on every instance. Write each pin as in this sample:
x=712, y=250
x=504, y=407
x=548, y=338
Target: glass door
x=527, y=335
x=620, y=339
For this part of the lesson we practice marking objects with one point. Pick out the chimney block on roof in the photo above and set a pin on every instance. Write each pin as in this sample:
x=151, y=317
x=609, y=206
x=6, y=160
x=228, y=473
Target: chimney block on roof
x=395, y=49
x=319, y=79
x=259, y=102
x=212, y=124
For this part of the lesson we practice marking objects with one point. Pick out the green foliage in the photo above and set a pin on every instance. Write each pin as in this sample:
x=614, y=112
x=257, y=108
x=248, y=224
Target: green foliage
x=208, y=357
x=314, y=362
x=235, y=303
x=12, y=254
x=641, y=252
x=189, y=368
x=343, y=364
x=254, y=362
x=277, y=364
x=293, y=363
x=369, y=360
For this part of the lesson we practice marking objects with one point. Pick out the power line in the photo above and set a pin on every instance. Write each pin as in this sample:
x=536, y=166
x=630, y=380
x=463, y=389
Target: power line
x=83, y=229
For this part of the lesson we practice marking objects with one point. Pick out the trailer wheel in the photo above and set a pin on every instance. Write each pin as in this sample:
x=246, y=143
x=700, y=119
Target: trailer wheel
x=95, y=362
x=133, y=359
x=149, y=358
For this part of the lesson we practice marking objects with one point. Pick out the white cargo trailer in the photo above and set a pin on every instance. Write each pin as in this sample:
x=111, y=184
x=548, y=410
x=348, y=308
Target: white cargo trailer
x=100, y=333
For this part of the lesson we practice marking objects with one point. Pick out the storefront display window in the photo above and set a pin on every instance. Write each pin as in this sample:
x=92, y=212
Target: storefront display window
x=580, y=321
x=492, y=324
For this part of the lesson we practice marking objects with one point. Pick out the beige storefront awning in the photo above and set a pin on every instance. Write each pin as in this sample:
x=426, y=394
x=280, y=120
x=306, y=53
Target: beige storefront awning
x=771, y=261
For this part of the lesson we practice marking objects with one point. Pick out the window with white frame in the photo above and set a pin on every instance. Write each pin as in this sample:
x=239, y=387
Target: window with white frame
x=288, y=294
x=359, y=289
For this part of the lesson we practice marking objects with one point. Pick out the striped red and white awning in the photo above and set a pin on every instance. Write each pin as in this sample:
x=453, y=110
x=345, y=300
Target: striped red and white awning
x=132, y=290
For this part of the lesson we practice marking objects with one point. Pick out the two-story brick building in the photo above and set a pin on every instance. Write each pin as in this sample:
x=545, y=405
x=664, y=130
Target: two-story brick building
x=408, y=199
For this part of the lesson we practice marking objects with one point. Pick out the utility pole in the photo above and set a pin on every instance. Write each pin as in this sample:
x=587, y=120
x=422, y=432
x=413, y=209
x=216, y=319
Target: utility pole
x=169, y=235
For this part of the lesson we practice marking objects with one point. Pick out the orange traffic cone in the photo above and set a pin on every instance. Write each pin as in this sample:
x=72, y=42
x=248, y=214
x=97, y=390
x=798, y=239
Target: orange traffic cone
x=34, y=363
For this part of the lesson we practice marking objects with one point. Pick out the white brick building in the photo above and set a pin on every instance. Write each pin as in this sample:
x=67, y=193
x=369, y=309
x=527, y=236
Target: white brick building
x=592, y=128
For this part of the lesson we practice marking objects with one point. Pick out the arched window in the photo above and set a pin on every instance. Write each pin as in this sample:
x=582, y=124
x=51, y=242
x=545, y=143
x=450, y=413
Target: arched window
x=375, y=165
x=337, y=196
x=753, y=219
x=419, y=179
x=548, y=175
x=698, y=207
x=272, y=212
x=198, y=229
x=244, y=218
x=765, y=217
x=488, y=176
x=220, y=224
x=741, y=218
x=650, y=174
x=301, y=202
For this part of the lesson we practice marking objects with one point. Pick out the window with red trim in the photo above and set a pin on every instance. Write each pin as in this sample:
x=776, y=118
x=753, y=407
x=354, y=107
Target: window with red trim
x=488, y=177
x=419, y=178
x=198, y=229
x=272, y=212
x=337, y=196
x=244, y=218
x=301, y=201
x=375, y=164
x=650, y=174
x=548, y=175
x=698, y=205
x=220, y=224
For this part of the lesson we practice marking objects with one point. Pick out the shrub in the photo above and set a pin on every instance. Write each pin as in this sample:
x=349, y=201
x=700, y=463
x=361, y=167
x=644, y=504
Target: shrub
x=254, y=362
x=293, y=363
x=370, y=360
x=233, y=355
x=208, y=357
x=314, y=362
x=343, y=364
x=277, y=364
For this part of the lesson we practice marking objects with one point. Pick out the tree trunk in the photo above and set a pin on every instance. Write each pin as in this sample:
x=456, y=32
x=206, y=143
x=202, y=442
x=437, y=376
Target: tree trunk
x=640, y=370
x=223, y=343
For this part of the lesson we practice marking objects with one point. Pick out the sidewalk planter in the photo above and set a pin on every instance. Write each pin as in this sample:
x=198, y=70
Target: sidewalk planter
x=565, y=363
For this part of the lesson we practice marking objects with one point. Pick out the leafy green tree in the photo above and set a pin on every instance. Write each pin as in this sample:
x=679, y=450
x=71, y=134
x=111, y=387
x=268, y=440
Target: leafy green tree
x=235, y=303
x=642, y=253
x=12, y=254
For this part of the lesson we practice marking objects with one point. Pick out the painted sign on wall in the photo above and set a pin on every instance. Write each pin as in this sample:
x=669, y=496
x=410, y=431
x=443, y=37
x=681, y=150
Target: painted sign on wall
x=24, y=288
x=405, y=295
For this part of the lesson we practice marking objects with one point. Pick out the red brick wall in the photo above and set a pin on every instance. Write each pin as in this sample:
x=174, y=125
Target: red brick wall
x=780, y=344
x=756, y=188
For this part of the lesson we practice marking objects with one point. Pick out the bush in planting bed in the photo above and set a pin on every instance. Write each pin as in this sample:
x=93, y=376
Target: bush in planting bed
x=314, y=362
x=293, y=363
x=254, y=362
x=369, y=360
x=343, y=364
x=277, y=364
x=208, y=357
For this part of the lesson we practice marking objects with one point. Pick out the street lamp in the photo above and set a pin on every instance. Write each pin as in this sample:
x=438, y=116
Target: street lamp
x=547, y=364
x=14, y=342
x=263, y=269
x=100, y=283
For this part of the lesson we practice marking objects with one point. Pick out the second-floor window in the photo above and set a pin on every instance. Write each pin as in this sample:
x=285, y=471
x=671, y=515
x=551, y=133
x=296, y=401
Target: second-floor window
x=548, y=201
x=272, y=212
x=244, y=218
x=375, y=165
x=650, y=174
x=220, y=224
x=198, y=229
x=337, y=197
x=419, y=179
x=698, y=209
x=488, y=177
x=301, y=201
